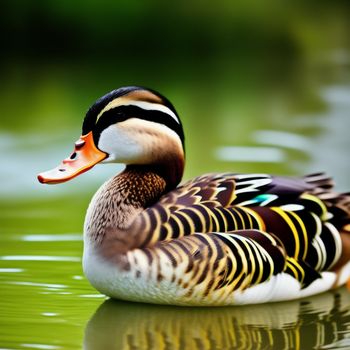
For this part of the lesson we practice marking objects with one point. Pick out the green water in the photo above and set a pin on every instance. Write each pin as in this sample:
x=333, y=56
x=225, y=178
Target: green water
x=276, y=101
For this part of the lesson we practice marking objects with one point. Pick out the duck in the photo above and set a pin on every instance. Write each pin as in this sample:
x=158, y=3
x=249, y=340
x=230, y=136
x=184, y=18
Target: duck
x=218, y=239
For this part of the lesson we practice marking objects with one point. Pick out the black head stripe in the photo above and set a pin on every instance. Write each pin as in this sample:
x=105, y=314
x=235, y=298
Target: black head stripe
x=122, y=113
x=102, y=102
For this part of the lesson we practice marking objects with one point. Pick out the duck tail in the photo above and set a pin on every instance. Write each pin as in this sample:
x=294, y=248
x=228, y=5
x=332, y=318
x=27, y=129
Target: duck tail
x=320, y=181
x=338, y=214
x=338, y=204
x=339, y=207
x=343, y=205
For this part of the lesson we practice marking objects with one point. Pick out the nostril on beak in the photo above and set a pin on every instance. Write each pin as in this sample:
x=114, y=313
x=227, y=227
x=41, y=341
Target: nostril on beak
x=79, y=144
x=62, y=169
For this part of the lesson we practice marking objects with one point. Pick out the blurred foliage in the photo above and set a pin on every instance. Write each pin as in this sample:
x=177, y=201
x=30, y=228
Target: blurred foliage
x=252, y=64
x=54, y=50
x=154, y=30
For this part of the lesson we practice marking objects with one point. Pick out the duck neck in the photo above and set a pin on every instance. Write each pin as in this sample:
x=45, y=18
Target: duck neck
x=116, y=204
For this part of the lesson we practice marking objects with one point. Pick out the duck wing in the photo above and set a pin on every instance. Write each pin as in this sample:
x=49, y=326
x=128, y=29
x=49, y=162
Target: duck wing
x=234, y=232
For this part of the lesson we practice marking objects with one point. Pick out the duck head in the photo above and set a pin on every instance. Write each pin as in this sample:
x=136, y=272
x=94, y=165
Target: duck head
x=130, y=125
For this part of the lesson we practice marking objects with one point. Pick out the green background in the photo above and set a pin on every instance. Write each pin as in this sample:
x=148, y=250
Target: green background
x=245, y=77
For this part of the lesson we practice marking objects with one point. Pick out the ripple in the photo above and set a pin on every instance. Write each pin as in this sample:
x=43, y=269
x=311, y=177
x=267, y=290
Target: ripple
x=39, y=258
x=250, y=154
x=338, y=95
x=92, y=296
x=77, y=277
x=282, y=139
x=40, y=346
x=36, y=284
x=49, y=314
x=10, y=270
x=52, y=238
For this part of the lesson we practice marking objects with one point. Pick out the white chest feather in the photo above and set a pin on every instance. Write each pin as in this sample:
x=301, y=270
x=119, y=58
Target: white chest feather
x=134, y=284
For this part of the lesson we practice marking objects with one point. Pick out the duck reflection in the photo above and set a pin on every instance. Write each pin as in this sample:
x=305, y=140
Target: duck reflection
x=320, y=321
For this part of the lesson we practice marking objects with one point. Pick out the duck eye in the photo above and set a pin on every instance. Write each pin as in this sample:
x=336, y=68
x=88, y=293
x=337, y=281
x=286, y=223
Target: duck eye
x=73, y=155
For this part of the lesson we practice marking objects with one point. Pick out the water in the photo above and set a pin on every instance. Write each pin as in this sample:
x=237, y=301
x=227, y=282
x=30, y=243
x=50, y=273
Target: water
x=283, y=114
x=46, y=303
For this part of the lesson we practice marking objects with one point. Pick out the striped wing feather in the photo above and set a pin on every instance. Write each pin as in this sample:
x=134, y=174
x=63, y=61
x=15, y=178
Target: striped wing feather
x=236, y=231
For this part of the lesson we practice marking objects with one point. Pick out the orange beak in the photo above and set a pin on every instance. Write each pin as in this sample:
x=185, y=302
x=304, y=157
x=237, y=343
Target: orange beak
x=84, y=157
